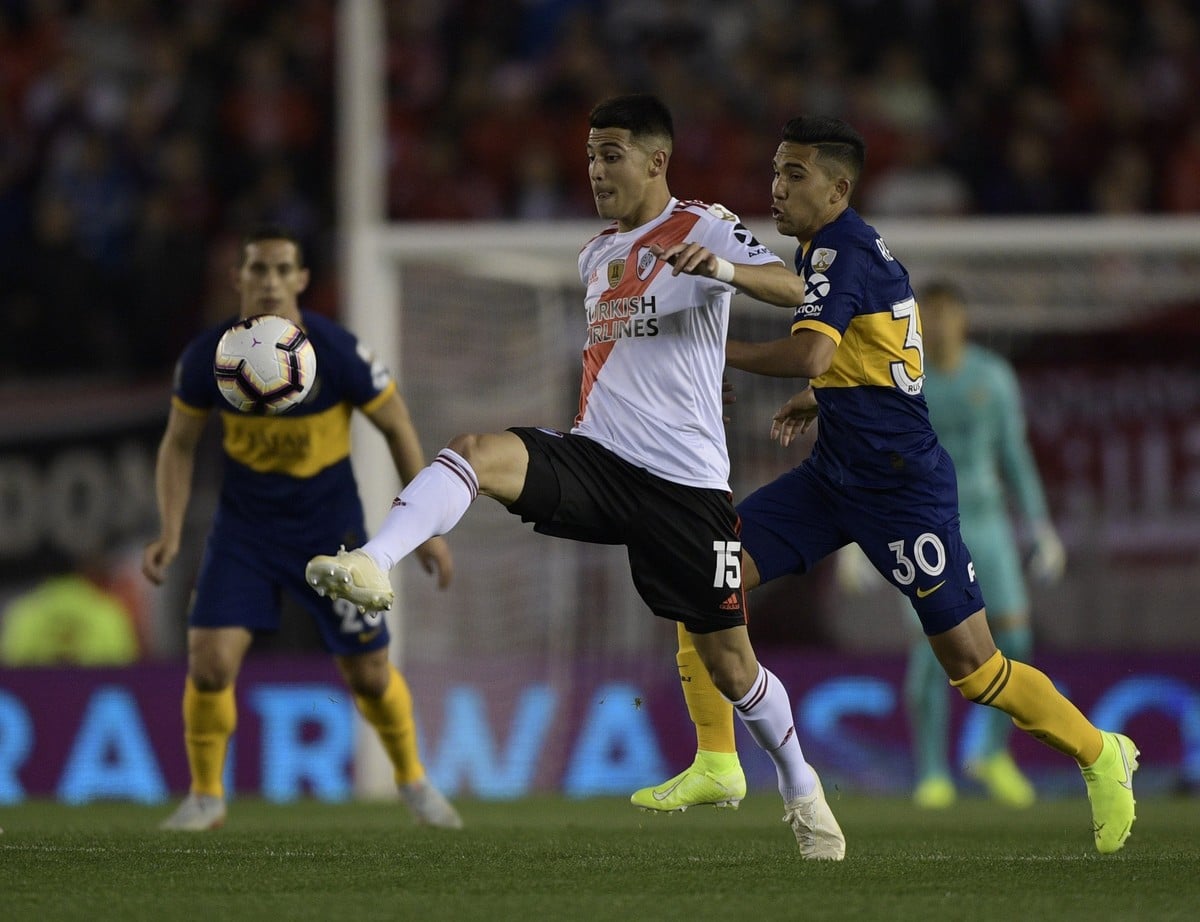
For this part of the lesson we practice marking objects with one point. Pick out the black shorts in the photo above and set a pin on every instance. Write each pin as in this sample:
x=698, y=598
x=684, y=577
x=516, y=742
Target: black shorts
x=685, y=553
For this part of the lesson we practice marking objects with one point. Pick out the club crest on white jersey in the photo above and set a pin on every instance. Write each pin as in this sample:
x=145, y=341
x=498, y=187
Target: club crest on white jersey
x=654, y=352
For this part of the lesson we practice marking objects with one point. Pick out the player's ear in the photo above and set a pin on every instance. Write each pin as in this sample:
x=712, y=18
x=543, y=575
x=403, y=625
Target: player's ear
x=658, y=162
x=302, y=280
x=841, y=190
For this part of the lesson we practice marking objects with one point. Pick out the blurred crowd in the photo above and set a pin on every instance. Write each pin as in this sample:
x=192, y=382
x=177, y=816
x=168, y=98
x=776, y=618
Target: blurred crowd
x=138, y=137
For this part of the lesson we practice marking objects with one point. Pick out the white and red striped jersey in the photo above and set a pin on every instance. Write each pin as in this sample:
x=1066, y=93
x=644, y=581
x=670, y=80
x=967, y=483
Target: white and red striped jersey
x=655, y=349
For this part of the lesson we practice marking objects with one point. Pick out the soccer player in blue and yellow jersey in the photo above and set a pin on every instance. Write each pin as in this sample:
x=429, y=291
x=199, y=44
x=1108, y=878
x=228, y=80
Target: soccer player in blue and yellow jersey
x=877, y=476
x=975, y=406
x=288, y=491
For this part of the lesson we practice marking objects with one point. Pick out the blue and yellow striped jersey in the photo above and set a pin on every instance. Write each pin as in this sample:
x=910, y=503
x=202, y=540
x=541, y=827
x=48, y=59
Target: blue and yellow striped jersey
x=873, y=428
x=289, y=474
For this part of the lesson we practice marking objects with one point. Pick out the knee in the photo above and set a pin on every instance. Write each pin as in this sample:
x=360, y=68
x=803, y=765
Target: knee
x=212, y=669
x=733, y=677
x=367, y=676
x=368, y=686
x=211, y=673
x=214, y=657
x=498, y=460
x=465, y=445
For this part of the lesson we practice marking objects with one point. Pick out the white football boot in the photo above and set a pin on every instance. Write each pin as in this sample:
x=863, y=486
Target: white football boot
x=197, y=813
x=351, y=575
x=817, y=831
x=428, y=806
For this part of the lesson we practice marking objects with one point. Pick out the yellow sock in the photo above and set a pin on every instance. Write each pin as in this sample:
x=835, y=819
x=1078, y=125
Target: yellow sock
x=391, y=715
x=209, y=719
x=710, y=712
x=1035, y=706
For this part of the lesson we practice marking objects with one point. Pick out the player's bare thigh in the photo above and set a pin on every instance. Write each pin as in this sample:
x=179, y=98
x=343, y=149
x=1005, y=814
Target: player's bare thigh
x=750, y=575
x=1009, y=620
x=500, y=461
x=965, y=647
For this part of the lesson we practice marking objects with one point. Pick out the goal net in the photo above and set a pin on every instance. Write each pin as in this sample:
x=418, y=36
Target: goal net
x=489, y=332
x=484, y=328
x=482, y=324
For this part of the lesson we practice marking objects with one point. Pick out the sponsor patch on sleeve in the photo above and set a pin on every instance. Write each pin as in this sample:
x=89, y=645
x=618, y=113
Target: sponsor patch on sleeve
x=823, y=258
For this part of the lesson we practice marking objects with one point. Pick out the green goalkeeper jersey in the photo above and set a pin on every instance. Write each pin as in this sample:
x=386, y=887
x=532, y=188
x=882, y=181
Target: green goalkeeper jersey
x=976, y=412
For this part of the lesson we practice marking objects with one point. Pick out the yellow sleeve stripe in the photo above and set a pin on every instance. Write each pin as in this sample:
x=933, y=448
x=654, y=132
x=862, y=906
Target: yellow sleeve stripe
x=187, y=407
x=818, y=327
x=378, y=399
x=873, y=350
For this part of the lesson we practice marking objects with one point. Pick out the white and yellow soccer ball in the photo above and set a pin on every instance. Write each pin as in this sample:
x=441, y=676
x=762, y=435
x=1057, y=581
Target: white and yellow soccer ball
x=265, y=364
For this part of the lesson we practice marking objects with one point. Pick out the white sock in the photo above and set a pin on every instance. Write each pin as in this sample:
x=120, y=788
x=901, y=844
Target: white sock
x=431, y=504
x=767, y=714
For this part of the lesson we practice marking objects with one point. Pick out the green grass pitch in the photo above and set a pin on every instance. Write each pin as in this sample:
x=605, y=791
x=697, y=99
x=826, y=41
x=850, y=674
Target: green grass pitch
x=555, y=859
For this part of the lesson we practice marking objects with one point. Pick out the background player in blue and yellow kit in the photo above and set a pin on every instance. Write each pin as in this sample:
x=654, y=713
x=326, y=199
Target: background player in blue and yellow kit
x=975, y=406
x=877, y=476
x=288, y=491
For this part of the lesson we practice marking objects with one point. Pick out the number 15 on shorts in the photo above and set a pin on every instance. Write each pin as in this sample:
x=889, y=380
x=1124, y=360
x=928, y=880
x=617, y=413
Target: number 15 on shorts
x=729, y=564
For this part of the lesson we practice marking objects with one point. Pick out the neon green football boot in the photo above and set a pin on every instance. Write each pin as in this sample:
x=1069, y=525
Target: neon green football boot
x=1003, y=780
x=935, y=793
x=714, y=778
x=1110, y=789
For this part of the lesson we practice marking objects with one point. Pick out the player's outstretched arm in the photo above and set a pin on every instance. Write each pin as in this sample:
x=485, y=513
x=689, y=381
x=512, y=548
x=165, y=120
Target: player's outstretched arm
x=773, y=283
x=173, y=489
x=1047, y=559
x=804, y=354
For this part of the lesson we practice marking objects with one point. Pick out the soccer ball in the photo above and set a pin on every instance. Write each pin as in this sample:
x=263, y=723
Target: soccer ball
x=265, y=364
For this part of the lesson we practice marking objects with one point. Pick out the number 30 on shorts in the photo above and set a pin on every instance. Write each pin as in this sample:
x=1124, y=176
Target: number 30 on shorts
x=729, y=564
x=928, y=555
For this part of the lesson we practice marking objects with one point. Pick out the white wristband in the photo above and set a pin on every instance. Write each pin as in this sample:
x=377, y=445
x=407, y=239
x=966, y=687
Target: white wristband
x=724, y=271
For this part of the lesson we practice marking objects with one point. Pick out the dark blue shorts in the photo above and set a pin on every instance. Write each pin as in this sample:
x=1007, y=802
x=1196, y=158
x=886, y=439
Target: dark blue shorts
x=241, y=583
x=910, y=533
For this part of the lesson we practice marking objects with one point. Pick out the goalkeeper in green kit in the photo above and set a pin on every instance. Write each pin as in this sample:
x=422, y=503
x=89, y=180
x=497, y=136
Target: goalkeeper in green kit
x=975, y=406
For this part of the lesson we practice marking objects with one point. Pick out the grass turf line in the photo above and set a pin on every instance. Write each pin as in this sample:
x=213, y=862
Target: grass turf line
x=593, y=859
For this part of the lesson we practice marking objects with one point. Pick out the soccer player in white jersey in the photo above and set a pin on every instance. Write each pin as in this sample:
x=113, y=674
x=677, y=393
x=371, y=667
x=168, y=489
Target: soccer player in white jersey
x=645, y=464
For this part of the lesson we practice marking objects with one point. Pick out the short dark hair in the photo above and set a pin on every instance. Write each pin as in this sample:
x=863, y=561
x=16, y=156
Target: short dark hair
x=834, y=140
x=273, y=232
x=641, y=114
x=944, y=288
